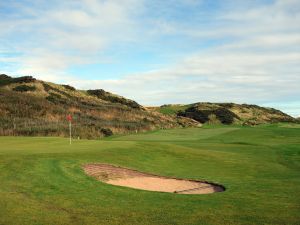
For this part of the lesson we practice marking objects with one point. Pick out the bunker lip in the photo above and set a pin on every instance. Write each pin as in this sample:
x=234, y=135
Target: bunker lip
x=120, y=176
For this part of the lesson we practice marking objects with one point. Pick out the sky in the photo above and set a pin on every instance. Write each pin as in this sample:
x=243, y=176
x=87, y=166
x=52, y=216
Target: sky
x=159, y=52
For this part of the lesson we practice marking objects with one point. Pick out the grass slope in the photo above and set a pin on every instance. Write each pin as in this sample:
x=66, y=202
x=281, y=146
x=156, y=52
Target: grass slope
x=42, y=181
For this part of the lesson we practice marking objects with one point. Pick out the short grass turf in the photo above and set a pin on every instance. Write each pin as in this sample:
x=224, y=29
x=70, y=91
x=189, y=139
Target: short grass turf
x=42, y=182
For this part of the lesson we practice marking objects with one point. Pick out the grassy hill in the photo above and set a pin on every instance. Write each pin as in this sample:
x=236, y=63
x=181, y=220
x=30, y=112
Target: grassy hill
x=226, y=113
x=33, y=107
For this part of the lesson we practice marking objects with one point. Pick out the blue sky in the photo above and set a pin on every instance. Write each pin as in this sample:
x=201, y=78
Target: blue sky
x=158, y=52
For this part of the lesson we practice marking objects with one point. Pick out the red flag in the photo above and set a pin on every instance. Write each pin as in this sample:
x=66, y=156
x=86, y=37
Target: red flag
x=69, y=118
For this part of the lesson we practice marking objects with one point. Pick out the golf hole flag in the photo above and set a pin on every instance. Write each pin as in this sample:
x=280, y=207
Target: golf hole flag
x=69, y=118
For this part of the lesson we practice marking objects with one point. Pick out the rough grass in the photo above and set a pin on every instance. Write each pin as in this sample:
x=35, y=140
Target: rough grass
x=42, y=181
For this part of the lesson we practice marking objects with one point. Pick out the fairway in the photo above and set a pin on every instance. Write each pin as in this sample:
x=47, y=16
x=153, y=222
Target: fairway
x=42, y=179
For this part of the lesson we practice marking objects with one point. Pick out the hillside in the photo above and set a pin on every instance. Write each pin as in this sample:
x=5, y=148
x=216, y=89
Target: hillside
x=226, y=113
x=33, y=107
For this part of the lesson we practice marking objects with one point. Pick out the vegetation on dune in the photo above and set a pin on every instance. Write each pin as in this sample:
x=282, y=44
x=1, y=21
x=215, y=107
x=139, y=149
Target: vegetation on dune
x=106, y=96
x=69, y=87
x=205, y=114
x=24, y=88
x=170, y=109
x=35, y=108
x=42, y=180
x=5, y=80
x=226, y=113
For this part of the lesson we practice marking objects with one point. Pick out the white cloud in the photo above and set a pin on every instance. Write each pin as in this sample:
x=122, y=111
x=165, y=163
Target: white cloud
x=260, y=66
x=254, y=57
x=71, y=33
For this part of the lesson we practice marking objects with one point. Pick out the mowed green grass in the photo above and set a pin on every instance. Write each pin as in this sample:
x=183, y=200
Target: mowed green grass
x=42, y=181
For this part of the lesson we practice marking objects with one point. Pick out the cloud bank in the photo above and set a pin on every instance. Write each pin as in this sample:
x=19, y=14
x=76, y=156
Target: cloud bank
x=200, y=50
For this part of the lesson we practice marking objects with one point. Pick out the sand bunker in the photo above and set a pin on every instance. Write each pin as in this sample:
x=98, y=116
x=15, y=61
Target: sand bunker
x=138, y=180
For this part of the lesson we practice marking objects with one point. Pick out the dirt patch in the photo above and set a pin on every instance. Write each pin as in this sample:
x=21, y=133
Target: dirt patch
x=138, y=180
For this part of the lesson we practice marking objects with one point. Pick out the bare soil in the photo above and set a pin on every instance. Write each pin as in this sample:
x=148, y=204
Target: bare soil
x=134, y=179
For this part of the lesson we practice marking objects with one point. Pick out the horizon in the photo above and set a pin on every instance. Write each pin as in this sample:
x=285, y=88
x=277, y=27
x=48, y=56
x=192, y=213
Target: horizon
x=160, y=52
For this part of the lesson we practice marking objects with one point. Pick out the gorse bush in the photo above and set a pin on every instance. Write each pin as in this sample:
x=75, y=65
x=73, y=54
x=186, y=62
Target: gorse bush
x=5, y=80
x=107, y=132
x=69, y=87
x=229, y=113
x=24, y=88
x=106, y=96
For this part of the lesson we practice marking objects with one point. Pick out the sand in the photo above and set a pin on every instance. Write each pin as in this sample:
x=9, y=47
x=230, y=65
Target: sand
x=134, y=179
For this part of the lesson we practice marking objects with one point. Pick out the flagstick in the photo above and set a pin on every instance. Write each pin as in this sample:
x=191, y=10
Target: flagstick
x=70, y=128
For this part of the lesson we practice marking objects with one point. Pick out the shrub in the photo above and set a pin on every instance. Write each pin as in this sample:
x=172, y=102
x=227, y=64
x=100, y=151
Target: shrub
x=106, y=131
x=55, y=98
x=24, y=88
x=106, y=96
x=25, y=79
x=224, y=115
x=69, y=87
x=47, y=87
x=4, y=79
x=227, y=105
